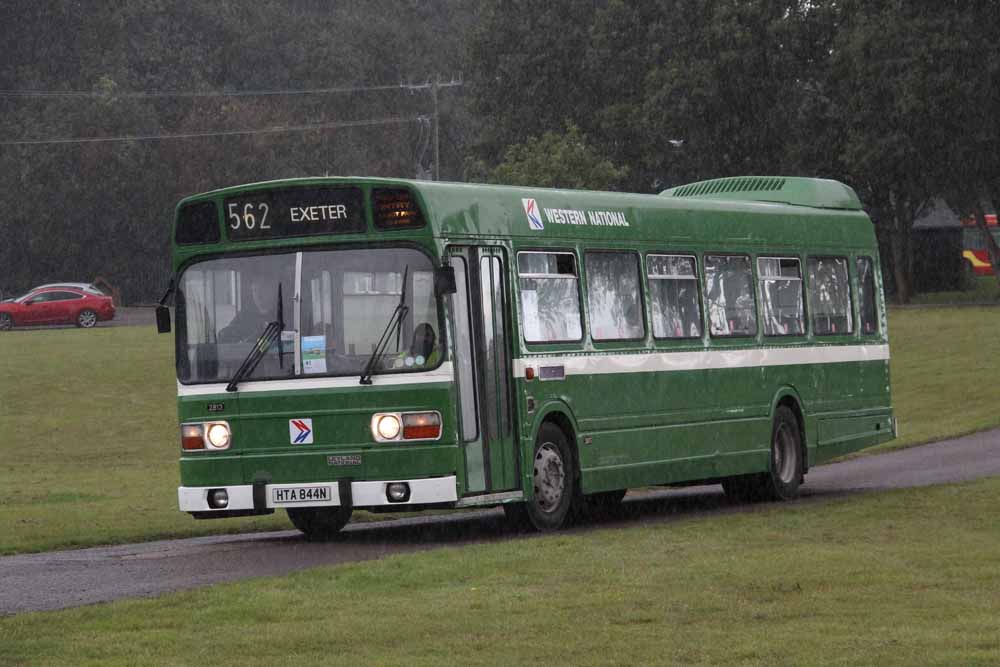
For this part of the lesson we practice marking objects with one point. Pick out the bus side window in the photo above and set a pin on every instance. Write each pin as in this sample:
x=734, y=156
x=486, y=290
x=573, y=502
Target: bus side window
x=550, y=298
x=673, y=287
x=781, y=296
x=829, y=296
x=866, y=295
x=729, y=296
x=614, y=296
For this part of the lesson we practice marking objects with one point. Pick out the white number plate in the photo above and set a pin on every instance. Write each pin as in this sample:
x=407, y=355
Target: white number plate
x=301, y=494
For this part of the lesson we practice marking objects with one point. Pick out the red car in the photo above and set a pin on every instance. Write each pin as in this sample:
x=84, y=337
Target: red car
x=62, y=303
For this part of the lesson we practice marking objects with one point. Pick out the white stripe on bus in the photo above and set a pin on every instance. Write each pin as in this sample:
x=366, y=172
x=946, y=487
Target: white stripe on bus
x=444, y=373
x=646, y=362
x=587, y=364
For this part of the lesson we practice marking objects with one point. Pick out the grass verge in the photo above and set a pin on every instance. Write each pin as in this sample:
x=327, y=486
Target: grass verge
x=982, y=289
x=88, y=433
x=901, y=578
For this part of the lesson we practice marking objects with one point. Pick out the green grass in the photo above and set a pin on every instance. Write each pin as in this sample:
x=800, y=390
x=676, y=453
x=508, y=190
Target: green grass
x=942, y=369
x=88, y=441
x=982, y=289
x=88, y=433
x=901, y=578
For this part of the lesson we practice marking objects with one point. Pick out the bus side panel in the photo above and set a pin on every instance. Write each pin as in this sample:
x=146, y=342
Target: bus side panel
x=665, y=427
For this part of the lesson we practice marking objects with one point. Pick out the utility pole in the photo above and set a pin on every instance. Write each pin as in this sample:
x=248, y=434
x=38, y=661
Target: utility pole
x=433, y=87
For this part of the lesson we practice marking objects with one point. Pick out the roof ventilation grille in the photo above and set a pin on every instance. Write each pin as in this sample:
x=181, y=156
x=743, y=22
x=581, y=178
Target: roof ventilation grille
x=731, y=185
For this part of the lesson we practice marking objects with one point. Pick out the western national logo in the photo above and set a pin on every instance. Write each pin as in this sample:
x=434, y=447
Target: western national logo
x=534, y=215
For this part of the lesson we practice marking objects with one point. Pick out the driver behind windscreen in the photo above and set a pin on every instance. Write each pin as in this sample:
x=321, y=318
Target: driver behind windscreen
x=422, y=350
x=259, y=308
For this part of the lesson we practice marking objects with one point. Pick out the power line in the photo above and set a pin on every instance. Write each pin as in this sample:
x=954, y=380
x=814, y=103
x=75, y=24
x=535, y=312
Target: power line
x=205, y=93
x=395, y=120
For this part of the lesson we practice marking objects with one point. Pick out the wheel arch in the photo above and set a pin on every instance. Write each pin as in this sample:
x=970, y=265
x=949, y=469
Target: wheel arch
x=788, y=396
x=559, y=413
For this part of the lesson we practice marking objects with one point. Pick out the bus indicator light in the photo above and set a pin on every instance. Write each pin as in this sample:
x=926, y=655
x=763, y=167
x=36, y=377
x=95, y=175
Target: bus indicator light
x=421, y=426
x=192, y=437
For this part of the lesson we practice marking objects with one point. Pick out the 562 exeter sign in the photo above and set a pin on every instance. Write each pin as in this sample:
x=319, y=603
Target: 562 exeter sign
x=268, y=214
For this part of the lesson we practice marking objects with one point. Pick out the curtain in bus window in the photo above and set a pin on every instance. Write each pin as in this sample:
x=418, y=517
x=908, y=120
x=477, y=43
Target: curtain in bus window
x=729, y=296
x=866, y=295
x=673, y=286
x=829, y=296
x=781, y=296
x=550, y=302
x=613, y=296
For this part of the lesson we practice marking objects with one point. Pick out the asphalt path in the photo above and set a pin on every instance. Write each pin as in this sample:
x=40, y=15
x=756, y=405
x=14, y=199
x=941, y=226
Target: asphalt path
x=61, y=579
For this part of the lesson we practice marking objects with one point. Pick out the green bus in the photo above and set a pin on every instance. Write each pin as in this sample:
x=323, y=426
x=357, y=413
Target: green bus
x=398, y=345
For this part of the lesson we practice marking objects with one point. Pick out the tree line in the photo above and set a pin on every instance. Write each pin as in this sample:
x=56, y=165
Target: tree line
x=894, y=98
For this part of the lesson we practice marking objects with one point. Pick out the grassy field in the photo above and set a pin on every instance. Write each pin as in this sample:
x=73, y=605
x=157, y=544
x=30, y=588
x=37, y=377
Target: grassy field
x=900, y=578
x=88, y=434
x=982, y=289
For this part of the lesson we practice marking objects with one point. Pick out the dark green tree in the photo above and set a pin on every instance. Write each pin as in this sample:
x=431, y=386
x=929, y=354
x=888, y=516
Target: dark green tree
x=558, y=160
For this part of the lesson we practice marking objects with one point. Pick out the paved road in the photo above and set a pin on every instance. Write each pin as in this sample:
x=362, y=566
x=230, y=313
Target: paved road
x=72, y=578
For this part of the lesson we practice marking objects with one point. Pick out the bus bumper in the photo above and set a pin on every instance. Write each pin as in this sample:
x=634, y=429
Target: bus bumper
x=240, y=499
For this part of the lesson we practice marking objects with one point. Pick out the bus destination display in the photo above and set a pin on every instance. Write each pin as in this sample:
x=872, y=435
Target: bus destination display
x=269, y=214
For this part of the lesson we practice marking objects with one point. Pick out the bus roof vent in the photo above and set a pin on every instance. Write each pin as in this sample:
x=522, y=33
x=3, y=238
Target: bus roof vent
x=814, y=192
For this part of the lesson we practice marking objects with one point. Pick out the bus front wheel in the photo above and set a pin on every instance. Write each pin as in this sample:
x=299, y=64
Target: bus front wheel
x=319, y=524
x=784, y=471
x=553, y=480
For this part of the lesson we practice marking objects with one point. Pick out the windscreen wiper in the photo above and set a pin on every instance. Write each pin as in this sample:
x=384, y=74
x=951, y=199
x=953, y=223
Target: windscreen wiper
x=271, y=333
x=395, y=320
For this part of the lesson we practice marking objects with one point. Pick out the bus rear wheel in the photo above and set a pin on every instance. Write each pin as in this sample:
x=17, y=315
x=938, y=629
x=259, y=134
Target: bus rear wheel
x=553, y=480
x=784, y=473
x=319, y=524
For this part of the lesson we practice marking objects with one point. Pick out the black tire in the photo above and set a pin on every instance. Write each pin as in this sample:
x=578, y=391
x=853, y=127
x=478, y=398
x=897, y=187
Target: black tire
x=6, y=322
x=785, y=466
x=319, y=524
x=554, y=480
x=87, y=319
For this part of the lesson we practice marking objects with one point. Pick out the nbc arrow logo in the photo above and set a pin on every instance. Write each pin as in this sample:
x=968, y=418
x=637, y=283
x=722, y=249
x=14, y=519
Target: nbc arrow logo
x=300, y=431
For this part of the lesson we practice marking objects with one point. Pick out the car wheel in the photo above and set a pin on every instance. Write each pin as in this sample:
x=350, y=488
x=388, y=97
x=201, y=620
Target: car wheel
x=86, y=319
x=319, y=524
x=6, y=322
x=553, y=479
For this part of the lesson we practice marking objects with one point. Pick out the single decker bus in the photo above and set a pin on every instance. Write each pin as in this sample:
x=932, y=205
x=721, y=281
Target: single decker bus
x=398, y=345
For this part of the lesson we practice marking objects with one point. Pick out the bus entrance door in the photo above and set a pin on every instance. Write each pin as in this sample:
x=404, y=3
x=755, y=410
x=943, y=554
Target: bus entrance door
x=481, y=330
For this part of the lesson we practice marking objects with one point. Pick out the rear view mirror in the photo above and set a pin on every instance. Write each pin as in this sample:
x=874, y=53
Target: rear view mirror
x=444, y=280
x=162, y=319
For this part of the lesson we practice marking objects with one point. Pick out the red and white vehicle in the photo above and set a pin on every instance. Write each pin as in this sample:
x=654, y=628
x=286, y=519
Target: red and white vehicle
x=81, y=304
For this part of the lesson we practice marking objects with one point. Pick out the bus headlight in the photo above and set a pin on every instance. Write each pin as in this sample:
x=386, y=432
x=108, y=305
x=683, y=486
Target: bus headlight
x=206, y=435
x=396, y=426
x=218, y=435
x=386, y=427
